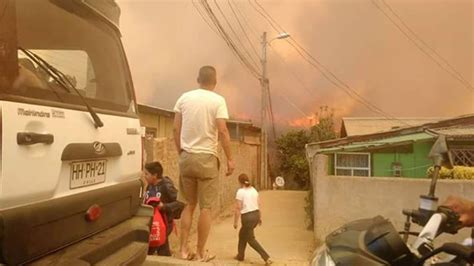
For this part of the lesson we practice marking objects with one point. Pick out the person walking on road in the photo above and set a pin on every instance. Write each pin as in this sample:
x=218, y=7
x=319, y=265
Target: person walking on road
x=247, y=207
x=200, y=120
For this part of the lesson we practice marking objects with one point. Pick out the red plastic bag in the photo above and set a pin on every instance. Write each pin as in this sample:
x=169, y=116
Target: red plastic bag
x=158, y=229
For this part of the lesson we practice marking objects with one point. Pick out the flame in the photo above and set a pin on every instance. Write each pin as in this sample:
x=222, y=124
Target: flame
x=305, y=122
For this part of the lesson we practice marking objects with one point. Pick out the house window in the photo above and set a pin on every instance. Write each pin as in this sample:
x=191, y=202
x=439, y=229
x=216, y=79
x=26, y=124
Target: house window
x=463, y=157
x=233, y=131
x=352, y=164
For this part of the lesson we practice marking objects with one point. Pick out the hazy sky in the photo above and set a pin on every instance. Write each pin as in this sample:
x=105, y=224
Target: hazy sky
x=167, y=41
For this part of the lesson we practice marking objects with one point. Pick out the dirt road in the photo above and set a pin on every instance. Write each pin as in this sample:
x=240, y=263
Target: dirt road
x=283, y=234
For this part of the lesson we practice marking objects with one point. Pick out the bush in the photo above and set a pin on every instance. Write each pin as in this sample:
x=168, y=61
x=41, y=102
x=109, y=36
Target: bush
x=458, y=172
x=309, y=209
x=292, y=153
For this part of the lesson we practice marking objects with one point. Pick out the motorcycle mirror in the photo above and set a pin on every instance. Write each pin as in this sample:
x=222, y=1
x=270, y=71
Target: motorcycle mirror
x=440, y=153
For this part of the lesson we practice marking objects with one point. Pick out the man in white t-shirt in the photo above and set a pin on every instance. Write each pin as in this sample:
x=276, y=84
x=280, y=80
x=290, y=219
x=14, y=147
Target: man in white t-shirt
x=200, y=120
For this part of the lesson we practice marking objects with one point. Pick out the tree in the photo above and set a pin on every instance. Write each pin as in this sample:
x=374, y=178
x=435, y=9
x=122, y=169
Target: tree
x=293, y=165
x=292, y=152
x=324, y=130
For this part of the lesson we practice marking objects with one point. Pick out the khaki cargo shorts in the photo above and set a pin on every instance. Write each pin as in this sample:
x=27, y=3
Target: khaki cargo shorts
x=199, y=177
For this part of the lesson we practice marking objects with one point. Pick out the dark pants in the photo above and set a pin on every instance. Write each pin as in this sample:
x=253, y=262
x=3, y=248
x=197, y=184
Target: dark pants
x=246, y=235
x=163, y=250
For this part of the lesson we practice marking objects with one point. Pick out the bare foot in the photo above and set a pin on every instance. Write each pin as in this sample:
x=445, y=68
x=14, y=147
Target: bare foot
x=187, y=255
x=206, y=257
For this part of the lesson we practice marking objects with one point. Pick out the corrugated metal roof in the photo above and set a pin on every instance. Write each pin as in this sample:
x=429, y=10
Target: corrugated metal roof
x=458, y=122
x=354, y=126
x=457, y=131
x=155, y=110
x=388, y=142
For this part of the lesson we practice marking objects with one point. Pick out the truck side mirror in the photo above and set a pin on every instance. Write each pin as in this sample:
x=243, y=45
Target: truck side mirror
x=440, y=153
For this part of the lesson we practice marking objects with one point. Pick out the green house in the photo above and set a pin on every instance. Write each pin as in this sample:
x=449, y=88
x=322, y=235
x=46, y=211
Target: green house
x=399, y=152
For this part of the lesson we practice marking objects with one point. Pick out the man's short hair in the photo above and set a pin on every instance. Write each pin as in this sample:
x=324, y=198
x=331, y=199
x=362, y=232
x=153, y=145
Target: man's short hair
x=207, y=75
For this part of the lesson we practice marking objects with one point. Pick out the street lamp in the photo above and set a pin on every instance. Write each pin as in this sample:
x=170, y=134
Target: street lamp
x=264, y=83
x=282, y=35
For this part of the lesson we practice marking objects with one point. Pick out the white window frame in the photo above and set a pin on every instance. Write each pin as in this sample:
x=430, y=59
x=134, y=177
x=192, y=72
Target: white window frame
x=368, y=169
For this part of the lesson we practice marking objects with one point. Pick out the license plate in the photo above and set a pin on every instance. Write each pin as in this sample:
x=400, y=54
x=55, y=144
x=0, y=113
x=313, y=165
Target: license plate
x=88, y=173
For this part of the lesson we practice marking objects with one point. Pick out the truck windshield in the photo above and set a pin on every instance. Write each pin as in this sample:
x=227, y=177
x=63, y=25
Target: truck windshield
x=84, y=47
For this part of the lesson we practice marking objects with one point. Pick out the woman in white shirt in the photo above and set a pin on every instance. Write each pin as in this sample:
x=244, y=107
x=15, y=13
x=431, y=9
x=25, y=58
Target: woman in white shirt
x=247, y=207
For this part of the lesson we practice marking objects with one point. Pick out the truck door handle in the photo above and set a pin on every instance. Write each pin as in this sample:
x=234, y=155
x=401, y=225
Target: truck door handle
x=29, y=138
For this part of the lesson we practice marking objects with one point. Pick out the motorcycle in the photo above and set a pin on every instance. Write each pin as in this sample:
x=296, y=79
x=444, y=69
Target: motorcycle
x=375, y=241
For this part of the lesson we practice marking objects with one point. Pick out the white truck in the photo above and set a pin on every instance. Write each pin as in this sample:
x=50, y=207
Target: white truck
x=70, y=137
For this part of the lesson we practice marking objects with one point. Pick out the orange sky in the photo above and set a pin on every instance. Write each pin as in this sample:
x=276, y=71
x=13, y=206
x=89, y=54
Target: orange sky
x=167, y=41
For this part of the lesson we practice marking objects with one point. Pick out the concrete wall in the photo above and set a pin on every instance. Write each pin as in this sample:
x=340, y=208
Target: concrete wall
x=340, y=199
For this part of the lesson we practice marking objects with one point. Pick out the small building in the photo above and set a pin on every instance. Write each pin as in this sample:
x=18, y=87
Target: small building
x=158, y=143
x=244, y=131
x=400, y=152
x=158, y=123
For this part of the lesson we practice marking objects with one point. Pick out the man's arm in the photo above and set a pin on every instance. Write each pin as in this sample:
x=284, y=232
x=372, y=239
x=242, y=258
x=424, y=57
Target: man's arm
x=238, y=207
x=260, y=210
x=178, y=119
x=224, y=137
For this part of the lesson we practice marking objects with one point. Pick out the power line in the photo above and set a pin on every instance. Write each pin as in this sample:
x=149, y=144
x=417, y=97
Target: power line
x=452, y=71
x=270, y=105
x=319, y=66
x=267, y=17
x=246, y=21
x=255, y=64
x=243, y=29
x=230, y=43
x=296, y=77
x=287, y=100
x=333, y=79
x=293, y=105
x=223, y=34
x=205, y=20
x=327, y=74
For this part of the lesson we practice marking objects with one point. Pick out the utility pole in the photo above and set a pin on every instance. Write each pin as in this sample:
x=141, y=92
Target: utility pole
x=264, y=84
x=263, y=142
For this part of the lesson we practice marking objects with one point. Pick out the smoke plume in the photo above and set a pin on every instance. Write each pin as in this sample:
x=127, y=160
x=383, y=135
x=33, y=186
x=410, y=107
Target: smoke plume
x=167, y=41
